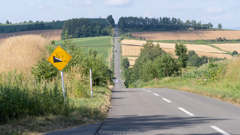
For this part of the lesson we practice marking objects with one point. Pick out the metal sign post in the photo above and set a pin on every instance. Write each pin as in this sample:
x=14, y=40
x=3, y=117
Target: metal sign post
x=60, y=58
x=63, y=87
x=91, y=82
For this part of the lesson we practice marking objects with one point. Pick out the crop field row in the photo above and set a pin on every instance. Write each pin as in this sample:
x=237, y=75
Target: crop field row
x=187, y=35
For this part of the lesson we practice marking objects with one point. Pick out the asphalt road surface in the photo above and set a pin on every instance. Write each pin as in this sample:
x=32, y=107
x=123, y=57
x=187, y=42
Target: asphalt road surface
x=146, y=111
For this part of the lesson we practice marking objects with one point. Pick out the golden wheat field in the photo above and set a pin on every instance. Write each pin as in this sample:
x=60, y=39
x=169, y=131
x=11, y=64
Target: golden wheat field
x=132, y=60
x=229, y=47
x=133, y=48
x=49, y=34
x=22, y=52
x=187, y=35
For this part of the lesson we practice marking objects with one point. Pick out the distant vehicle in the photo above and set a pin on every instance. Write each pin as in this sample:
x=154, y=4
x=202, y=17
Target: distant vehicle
x=115, y=50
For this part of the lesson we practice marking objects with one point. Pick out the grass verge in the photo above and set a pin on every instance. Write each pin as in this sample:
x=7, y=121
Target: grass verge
x=83, y=111
x=217, y=80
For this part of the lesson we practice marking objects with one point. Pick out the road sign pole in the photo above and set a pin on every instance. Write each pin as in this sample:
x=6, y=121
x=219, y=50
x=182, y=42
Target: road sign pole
x=63, y=87
x=91, y=82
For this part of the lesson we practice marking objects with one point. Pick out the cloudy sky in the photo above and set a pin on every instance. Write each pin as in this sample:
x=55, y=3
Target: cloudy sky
x=226, y=12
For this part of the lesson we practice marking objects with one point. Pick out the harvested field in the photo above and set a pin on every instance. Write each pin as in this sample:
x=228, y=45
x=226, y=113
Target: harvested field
x=128, y=50
x=132, y=42
x=187, y=35
x=133, y=48
x=197, y=48
x=132, y=60
x=22, y=52
x=49, y=34
x=229, y=47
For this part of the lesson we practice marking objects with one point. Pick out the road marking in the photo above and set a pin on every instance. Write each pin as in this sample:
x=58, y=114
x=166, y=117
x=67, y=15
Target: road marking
x=187, y=112
x=167, y=100
x=219, y=130
x=156, y=94
x=148, y=90
x=143, y=89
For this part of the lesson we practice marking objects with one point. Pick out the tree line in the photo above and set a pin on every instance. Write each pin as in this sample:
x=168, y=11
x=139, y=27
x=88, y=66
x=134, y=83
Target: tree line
x=160, y=24
x=82, y=27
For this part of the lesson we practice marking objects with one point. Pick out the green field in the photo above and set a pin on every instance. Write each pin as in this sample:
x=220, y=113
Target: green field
x=102, y=44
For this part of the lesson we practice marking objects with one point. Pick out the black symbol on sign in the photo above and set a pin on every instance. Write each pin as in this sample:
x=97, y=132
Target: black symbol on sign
x=55, y=59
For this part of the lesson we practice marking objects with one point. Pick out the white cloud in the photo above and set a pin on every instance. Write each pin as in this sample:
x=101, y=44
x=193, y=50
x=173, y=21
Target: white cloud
x=147, y=14
x=31, y=5
x=117, y=2
x=214, y=10
x=40, y=7
x=37, y=6
x=89, y=2
x=78, y=3
x=90, y=14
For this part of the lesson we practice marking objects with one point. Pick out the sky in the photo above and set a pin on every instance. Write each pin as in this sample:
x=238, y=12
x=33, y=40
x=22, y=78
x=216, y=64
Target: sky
x=226, y=12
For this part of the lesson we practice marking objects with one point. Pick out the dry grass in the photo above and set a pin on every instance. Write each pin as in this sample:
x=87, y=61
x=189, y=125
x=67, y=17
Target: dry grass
x=233, y=70
x=229, y=47
x=49, y=34
x=22, y=52
x=187, y=35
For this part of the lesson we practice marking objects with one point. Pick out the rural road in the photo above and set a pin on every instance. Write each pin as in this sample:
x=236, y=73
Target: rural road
x=152, y=111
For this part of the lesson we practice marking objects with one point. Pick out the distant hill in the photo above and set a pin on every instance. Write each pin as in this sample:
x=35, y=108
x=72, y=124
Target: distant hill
x=11, y=28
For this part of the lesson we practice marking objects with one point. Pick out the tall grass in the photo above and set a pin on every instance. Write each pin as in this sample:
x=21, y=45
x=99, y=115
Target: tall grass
x=22, y=96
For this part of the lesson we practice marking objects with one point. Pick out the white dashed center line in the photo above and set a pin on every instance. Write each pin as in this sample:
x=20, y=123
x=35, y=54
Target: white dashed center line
x=219, y=130
x=187, y=112
x=148, y=91
x=156, y=94
x=167, y=100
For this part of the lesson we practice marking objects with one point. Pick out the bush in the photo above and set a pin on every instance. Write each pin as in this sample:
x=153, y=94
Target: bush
x=44, y=70
x=234, y=53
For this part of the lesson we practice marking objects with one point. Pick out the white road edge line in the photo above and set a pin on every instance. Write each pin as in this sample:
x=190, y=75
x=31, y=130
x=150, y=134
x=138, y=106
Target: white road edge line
x=187, y=112
x=219, y=130
x=167, y=100
x=148, y=90
x=156, y=94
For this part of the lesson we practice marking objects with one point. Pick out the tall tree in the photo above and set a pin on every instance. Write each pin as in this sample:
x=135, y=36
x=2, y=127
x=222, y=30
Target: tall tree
x=219, y=26
x=125, y=63
x=7, y=22
x=181, y=52
x=111, y=20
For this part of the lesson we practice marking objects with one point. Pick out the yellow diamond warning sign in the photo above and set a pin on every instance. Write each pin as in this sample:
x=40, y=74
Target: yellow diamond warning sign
x=59, y=58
